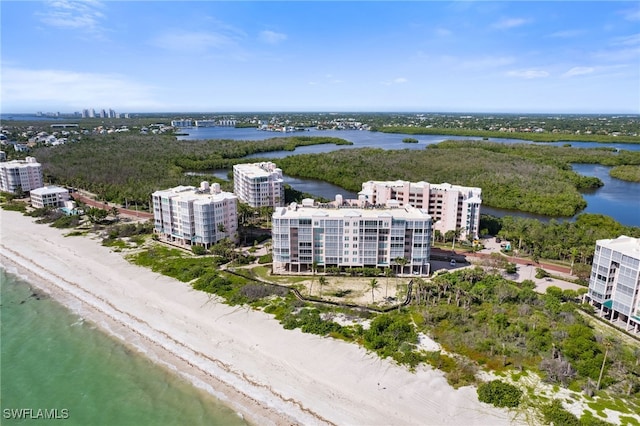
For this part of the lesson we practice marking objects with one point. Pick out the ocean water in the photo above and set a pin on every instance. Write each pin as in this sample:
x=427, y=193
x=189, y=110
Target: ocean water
x=53, y=360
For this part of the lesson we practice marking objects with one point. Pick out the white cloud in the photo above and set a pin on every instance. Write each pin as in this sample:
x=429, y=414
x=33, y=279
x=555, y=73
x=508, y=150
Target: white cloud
x=507, y=23
x=567, y=34
x=399, y=80
x=194, y=41
x=631, y=14
x=23, y=88
x=272, y=37
x=528, y=74
x=487, y=62
x=74, y=15
x=630, y=40
x=443, y=32
x=578, y=71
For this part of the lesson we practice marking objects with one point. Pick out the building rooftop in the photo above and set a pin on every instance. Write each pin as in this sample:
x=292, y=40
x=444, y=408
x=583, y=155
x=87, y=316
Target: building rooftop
x=264, y=169
x=203, y=194
x=623, y=244
x=306, y=209
x=45, y=190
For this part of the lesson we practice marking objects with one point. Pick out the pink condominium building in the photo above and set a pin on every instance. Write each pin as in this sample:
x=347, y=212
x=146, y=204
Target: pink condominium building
x=451, y=207
x=24, y=174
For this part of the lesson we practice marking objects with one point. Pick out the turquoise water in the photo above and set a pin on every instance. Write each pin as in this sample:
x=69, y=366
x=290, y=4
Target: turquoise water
x=52, y=360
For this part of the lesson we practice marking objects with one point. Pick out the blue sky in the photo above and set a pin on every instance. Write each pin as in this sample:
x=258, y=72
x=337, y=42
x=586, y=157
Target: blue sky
x=480, y=56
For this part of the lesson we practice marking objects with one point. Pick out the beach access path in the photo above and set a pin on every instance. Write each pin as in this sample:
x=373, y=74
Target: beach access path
x=267, y=374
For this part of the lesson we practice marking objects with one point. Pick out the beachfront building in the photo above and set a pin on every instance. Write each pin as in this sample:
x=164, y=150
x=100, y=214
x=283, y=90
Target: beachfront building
x=452, y=207
x=328, y=236
x=49, y=196
x=615, y=281
x=195, y=216
x=20, y=175
x=259, y=184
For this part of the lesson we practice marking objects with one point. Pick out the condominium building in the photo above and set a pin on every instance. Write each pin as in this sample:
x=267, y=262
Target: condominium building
x=185, y=122
x=195, y=216
x=615, y=280
x=452, y=207
x=49, y=196
x=399, y=238
x=24, y=175
x=259, y=184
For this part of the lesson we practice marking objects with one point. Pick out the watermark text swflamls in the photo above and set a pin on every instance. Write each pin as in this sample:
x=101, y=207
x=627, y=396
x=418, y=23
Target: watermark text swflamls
x=35, y=413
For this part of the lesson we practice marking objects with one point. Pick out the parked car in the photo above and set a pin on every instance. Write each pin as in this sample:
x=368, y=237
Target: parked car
x=453, y=262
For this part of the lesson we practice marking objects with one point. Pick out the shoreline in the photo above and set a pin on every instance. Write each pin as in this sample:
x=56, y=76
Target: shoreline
x=242, y=357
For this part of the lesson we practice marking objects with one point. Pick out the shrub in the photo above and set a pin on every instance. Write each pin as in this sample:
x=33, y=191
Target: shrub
x=198, y=250
x=500, y=394
x=556, y=414
x=541, y=273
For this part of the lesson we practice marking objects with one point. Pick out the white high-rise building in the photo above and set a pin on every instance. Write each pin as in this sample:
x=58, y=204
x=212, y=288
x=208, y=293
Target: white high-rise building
x=452, y=207
x=615, y=280
x=195, y=216
x=259, y=184
x=24, y=174
x=350, y=237
x=185, y=122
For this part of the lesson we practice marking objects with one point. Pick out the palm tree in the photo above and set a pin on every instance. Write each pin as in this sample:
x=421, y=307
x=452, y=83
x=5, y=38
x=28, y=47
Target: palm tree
x=607, y=345
x=387, y=274
x=314, y=266
x=373, y=284
x=402, y=262
x=322, y=281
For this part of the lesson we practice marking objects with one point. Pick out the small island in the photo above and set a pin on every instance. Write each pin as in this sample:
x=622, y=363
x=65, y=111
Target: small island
x=410, y=140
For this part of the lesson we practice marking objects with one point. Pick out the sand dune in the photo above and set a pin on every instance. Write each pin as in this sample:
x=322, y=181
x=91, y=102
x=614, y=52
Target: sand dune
x=268, y=374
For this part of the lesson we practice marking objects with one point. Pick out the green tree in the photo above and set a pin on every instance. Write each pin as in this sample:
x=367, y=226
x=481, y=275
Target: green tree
x=373, y=285
x=322, y=281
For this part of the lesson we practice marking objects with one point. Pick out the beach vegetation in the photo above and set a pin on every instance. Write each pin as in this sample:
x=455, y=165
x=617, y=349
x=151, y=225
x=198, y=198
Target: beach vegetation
x=16, y=206
x=500, y=394
x=198, y=250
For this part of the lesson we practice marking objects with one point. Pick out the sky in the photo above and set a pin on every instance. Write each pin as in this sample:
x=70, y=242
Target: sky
x=330, y=56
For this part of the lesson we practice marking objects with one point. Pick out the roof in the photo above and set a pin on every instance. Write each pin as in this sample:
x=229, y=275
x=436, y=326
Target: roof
x=45, y=190
x=297, y=211
x=191, y=193
x=253, y=170
x=627, y=245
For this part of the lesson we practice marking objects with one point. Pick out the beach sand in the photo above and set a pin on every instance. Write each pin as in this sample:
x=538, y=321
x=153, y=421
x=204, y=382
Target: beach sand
x=244, y=357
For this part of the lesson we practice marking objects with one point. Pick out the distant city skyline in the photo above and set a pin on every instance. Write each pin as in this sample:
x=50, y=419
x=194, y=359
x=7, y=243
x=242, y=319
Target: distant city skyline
x=303, y=56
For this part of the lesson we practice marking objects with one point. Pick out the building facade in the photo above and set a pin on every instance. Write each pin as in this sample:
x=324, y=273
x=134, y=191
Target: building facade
x=615, y=280
x=25, y=175
x=308, y=234
x=49, y=196
x=195, y=216
x=259, y=184
x=452, y=207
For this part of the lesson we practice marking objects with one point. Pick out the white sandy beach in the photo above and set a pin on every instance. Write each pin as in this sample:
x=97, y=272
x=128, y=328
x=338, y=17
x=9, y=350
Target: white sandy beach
x=267, y=374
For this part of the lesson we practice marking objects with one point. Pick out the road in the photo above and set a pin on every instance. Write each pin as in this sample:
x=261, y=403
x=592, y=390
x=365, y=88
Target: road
x=107, y=206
